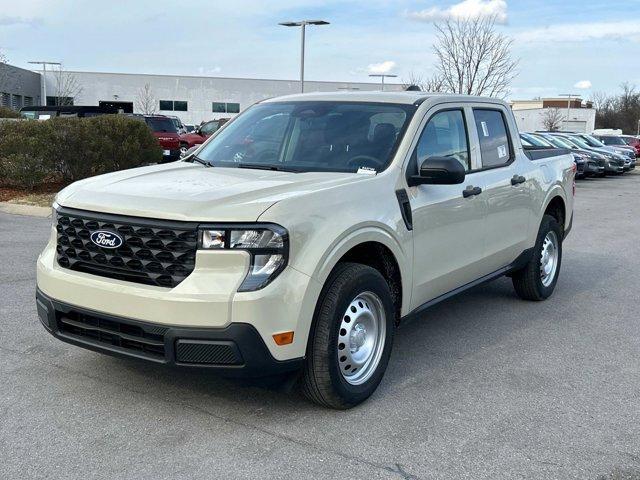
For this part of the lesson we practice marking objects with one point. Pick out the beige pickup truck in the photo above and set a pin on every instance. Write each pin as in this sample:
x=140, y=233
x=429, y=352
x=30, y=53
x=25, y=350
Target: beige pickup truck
x=298, y=237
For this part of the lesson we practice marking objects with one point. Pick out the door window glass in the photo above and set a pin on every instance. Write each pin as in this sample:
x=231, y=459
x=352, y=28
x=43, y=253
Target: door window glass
x=445, y=135
x=494, y=139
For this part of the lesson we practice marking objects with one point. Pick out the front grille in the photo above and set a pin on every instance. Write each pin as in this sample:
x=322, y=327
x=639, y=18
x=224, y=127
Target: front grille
x=147, y=342
x=153, y=252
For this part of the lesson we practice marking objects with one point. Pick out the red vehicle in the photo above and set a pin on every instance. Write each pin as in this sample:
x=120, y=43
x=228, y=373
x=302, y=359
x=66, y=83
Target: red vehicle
x=164, y=129
x=200, y=134
x=632, y=142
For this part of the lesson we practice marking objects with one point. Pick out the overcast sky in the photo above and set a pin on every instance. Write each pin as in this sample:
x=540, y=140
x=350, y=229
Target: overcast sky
x=572, y=46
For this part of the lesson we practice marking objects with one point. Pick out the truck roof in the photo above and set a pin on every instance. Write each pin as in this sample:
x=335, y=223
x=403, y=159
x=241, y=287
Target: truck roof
x=404, y=97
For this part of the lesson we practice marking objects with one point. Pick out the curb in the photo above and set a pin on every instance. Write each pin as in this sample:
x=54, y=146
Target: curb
x=28, y=210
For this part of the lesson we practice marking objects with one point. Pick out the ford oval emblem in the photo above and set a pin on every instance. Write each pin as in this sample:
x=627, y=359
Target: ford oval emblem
x=105, y=239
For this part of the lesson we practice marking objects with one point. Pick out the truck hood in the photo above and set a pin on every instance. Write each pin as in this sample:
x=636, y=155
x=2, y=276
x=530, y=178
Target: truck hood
x=186, y=191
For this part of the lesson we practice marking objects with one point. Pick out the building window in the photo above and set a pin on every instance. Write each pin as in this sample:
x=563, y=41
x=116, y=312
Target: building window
x=180, y=106
x=16, y=102
x=59, y=101
x=5, y=99
x=28, y=101
x=222, y=107
x=173, y=105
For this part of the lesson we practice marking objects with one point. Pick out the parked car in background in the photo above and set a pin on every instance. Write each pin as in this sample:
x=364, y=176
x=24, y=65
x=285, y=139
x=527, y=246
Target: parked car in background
x=304, y=247
x=615, y=162
x=628, y=157
x=595, y=143
x=601, y=162
x=632, y=142
x=190, y=128
x=199, y=135
x=81, y=111
x=616, y=141
x=165, y=130
x=178, y=123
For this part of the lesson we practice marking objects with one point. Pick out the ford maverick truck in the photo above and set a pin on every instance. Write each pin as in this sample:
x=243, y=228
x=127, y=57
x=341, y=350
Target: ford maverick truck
x=298, y=237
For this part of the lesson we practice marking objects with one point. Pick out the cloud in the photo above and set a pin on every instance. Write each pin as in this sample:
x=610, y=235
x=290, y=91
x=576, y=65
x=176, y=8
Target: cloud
x=379, y=68
x=465, y=10
x=583, y=85
x=12, y=21
x=582, y=32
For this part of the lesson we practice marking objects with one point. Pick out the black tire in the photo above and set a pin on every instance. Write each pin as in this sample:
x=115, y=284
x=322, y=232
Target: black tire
x=528, y=281
x=322, y=381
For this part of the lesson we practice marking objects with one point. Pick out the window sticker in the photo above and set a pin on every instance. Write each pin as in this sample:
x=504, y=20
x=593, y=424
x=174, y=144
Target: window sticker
x=366, y=171
x=485, y=129
x=502, y=151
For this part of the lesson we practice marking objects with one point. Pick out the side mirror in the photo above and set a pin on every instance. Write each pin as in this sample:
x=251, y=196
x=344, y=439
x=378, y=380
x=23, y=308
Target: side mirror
x=190, y=151
x=439, y=171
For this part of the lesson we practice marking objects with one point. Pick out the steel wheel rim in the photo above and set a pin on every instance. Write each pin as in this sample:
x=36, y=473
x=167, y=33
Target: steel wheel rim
x=361, y=338
x=549, y=259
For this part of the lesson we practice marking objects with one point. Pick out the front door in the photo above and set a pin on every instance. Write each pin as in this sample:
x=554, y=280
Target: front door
x=448, y=230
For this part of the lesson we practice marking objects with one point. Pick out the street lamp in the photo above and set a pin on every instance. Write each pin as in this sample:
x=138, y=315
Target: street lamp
x=383, y=76
x=303, y=24
x=569, y=97
x=44, y=78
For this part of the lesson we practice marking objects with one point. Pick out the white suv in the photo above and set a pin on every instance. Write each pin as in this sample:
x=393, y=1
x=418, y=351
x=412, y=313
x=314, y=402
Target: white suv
x=298, y=237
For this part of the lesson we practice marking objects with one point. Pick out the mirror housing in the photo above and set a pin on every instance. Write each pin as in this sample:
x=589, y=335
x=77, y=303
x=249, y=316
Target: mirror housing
x=439, y=171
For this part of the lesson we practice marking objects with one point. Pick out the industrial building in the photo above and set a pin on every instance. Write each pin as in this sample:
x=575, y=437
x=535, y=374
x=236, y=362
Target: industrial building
x=18, y=87
x=193, y=99
x=576, y=115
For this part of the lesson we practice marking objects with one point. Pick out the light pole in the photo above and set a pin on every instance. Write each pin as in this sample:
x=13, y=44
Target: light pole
x=303, y=24
x=44, y=78
x=383, y=76
x=569, y=97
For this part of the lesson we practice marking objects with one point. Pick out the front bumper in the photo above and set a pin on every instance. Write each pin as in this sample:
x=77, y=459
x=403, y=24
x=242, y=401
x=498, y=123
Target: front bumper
x=236, y=350
x=170, y=155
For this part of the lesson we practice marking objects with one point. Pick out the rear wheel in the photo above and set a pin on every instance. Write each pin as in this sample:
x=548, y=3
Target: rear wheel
x=350, y=342
x=537, y=280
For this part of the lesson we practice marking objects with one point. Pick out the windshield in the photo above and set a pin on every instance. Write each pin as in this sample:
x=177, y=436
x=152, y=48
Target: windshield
x=613, y=141
x=535, y=141
x=161, y=124
x=580, y=142
x=559, y=142
x=311, y=136
x=592, y=141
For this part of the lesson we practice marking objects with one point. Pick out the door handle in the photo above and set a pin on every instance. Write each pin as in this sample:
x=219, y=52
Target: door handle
x=517, y=180
x=470, y=191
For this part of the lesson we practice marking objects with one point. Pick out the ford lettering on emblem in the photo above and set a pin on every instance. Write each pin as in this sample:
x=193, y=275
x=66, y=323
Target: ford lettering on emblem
x=105, y=239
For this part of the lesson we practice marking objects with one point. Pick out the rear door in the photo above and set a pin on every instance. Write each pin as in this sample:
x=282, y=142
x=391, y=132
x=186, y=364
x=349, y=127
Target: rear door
x=448, y=225
x=505, y=186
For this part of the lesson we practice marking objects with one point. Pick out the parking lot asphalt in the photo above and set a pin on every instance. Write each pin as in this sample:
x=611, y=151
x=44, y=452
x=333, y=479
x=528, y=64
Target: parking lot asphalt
x=484, y=385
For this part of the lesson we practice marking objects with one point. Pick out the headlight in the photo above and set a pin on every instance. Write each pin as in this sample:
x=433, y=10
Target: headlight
x=54, y=214
x=268, y=245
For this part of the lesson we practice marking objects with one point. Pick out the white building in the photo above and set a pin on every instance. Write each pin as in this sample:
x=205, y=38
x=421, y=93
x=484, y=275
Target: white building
x=193, y=99
x=575, y=115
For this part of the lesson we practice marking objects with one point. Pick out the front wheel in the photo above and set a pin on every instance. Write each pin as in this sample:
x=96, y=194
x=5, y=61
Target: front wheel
x=537, y=280
x=350, y=342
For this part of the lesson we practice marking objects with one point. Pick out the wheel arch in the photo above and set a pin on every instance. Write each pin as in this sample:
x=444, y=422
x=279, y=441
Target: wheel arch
x=378, y=249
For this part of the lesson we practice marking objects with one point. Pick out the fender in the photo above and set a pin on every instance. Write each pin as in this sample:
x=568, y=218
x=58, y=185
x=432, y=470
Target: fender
x=368, y=233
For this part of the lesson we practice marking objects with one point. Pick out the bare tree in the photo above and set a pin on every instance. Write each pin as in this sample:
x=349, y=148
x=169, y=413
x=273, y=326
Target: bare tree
x=146, y=100
x=68, y=87
x=473, y=58
x=552, y=119
x=434, y=83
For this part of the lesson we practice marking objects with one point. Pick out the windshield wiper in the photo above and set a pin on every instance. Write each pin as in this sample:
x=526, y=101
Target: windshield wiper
x=195, y=158
x=266, y=166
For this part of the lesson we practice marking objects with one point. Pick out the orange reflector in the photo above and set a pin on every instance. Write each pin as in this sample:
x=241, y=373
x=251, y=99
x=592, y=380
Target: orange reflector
x=284, y=338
